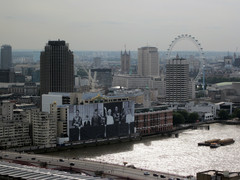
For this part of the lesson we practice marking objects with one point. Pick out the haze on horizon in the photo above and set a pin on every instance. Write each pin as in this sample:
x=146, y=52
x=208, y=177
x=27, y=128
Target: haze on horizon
x=111, y=24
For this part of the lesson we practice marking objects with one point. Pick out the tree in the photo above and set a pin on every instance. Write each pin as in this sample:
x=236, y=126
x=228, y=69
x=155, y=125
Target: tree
x=185, y=114
x=223, y=114
x=193, y=117
x=178, y=118
x=81, y=72
x=236, y=113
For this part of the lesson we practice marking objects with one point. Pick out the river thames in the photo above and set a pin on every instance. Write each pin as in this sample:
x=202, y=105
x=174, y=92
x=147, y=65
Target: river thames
x=180, y=155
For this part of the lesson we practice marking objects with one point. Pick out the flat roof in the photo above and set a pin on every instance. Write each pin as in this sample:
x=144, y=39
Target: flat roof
x=29, y=172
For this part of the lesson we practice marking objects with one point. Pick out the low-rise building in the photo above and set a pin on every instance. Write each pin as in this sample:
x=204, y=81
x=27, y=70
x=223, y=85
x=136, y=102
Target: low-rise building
x=153, y=120
x=14, y=128
x=219, y=175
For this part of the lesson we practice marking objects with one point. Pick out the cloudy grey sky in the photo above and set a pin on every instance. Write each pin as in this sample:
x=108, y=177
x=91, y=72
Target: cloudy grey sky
x=109, y=24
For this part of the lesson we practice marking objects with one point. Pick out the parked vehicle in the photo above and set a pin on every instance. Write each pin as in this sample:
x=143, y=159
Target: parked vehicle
x=146, y=173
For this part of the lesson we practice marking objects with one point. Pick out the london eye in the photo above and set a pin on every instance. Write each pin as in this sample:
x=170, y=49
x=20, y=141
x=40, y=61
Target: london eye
x=197, y=44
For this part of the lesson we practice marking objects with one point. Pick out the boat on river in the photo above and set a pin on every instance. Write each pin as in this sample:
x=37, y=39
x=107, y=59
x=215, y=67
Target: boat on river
x=208, y=142
x=215, y=143
x=226, y=141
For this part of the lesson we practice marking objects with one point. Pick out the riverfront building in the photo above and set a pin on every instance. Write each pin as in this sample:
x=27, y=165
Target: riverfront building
x=153, y=120
x=56, y=68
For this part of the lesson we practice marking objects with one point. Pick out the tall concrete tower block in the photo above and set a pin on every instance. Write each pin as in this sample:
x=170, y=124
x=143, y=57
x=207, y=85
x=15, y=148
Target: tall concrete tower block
x=177, y=80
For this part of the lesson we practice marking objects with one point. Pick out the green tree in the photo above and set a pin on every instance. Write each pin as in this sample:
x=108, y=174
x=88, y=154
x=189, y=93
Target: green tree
x=223, y=114
x=81, y=72
x=236, y=113
x=185, y=114
x=193, y=117
x=178, y=118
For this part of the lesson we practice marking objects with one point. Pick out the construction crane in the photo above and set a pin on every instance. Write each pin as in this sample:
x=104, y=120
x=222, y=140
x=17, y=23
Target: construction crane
x=92, y=81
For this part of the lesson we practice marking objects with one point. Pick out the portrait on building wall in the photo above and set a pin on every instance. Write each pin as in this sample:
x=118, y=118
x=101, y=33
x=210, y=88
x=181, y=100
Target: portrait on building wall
x=100, y=120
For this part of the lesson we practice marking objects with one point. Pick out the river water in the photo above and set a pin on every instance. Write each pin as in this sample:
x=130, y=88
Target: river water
x=180, y=155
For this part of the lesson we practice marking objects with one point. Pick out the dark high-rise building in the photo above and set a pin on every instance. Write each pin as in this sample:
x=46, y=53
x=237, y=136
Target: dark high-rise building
x=6, y=57
x=56, y=68
x=6, y=75
x=125, y=62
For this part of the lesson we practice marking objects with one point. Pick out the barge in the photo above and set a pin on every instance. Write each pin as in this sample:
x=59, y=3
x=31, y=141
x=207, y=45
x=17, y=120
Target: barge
x=208, y=142
x=215, y=143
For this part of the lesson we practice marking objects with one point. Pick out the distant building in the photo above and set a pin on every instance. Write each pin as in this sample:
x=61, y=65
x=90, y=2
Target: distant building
x=6, y=75
x=131, y=81
x=28, y=88
x=237, y=62
x=177, y=80
x=6, y=57
x=96, y=62
x=56, y=68
x=103, y=77
x=228, y=60
x=125, y=62
x=148, y=62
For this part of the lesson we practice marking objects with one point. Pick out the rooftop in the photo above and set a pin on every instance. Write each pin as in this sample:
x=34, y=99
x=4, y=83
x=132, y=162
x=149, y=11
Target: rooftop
x=29, y=172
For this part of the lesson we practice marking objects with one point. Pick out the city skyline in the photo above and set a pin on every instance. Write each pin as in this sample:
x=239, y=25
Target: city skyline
x=85, y=25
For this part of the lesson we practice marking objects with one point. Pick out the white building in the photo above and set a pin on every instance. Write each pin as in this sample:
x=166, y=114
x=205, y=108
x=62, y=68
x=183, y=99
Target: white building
x=44, y=127
x=148, y=61
x=54, y=97
x=203, y=109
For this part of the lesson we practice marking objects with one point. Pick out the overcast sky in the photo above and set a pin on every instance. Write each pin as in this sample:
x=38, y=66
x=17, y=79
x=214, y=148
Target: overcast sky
x=110, y=24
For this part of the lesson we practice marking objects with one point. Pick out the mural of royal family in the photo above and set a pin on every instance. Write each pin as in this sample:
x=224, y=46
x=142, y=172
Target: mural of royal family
x=100, y=120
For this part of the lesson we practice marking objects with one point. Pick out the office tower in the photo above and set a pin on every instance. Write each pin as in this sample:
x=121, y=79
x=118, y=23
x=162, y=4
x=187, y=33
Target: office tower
x=148, y=64
x=56, y=68
x=7, y=75
x=177, y=77
x=125, y=62
x=6, y=57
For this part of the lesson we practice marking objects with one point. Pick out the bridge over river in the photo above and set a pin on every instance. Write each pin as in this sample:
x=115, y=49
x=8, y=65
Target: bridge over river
x=89, y=167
